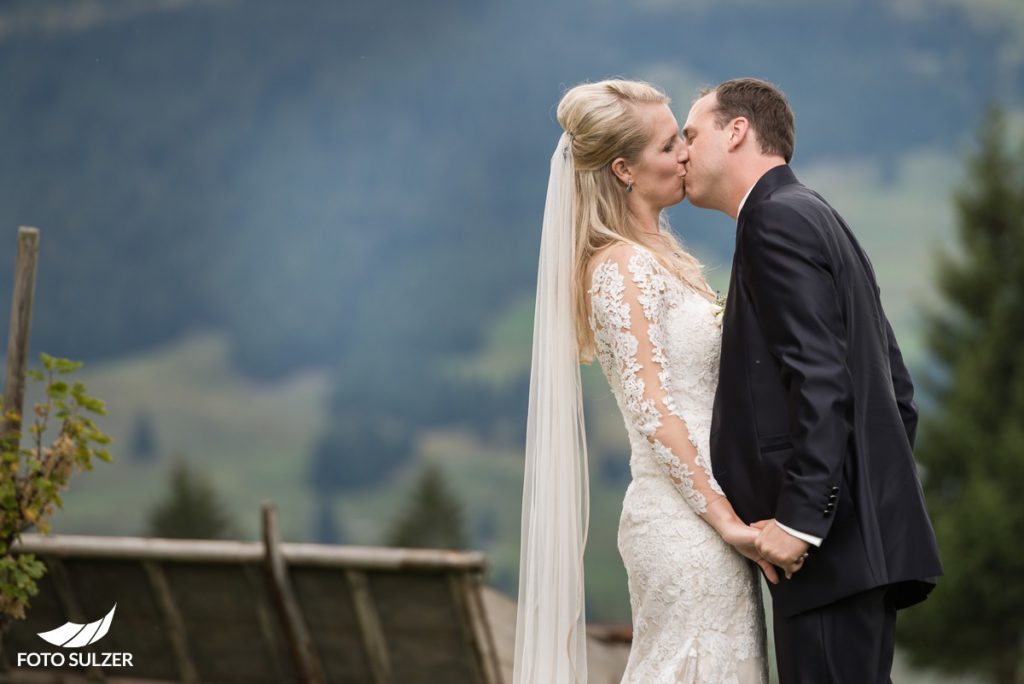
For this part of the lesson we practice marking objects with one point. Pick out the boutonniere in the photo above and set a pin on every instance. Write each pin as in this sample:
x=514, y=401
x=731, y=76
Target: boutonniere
x=720, y=303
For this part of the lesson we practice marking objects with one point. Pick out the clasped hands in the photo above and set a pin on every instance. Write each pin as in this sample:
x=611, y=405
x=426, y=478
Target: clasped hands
x=780, y=548
x=768, y=545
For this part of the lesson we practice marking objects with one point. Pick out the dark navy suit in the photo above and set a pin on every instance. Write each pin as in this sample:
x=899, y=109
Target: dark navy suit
x=814, y=418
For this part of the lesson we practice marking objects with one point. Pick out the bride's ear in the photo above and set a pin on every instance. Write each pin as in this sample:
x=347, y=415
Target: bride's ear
x=738, y=130
x=621, y=170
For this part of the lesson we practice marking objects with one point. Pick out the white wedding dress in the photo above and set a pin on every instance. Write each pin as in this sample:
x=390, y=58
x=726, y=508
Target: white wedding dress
x=696, y=602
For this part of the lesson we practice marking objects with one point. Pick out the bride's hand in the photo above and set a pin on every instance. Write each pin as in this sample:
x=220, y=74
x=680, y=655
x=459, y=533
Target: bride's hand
x=721, y=516
x=742, y=537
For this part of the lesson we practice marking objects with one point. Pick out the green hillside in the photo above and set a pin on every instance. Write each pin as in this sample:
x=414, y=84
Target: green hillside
x=251, y=437
x=302, y=177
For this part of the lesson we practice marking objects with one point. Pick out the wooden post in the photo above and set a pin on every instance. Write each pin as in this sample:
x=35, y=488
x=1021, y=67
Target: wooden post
x=173, y=623
x=369, y=627
x=307, y=662
x=265, y=619
x=61, y=579
x=21, y=323
x=475, y=628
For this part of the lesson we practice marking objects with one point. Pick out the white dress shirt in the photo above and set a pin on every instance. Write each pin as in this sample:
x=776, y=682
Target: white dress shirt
x=809, y=538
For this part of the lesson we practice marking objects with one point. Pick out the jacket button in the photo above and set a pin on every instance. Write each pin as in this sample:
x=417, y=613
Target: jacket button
x=827, y=512
x=832, y=497
x=835, y=490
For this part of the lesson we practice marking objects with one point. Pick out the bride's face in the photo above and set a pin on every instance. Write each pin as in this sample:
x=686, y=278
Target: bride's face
x=658, y=174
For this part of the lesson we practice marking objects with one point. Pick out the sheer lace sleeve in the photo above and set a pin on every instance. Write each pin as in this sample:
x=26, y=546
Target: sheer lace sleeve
x=628, y=308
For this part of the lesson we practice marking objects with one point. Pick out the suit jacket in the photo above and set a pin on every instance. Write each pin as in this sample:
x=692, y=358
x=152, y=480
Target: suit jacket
x=814, y=418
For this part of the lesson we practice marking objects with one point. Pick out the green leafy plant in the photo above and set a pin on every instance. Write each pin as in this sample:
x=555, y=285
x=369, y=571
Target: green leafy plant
x=34, y=475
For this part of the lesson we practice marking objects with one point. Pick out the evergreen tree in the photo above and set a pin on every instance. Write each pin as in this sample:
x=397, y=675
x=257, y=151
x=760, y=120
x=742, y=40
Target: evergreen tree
x=358, y=451
x=143, y=441
x=433, y=517
x=191, y=509
x=325, y=529
x=972, y=439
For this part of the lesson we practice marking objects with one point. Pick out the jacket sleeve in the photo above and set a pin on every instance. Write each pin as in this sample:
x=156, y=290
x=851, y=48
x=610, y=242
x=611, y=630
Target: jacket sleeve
x=902, y=386
x=791, y=284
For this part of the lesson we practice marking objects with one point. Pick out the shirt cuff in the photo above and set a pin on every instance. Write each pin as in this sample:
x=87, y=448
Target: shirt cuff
x=809, y=538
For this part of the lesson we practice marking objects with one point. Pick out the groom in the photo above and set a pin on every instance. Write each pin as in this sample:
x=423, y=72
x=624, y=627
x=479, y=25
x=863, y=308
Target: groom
x=814, y=417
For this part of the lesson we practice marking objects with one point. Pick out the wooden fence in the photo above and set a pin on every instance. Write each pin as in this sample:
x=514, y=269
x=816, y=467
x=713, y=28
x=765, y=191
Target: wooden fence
x=229, y=611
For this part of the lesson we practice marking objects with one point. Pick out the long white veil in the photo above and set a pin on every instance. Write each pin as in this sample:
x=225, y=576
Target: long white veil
x=550, y=622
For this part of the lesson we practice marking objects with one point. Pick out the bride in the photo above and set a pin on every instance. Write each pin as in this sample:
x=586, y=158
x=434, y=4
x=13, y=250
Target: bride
x=613, y=283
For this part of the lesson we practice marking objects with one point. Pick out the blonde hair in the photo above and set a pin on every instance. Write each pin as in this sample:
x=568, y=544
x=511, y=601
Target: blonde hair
x=604, y=122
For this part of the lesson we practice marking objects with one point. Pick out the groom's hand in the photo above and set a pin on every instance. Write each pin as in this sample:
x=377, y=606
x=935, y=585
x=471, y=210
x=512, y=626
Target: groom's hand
x=780, y=547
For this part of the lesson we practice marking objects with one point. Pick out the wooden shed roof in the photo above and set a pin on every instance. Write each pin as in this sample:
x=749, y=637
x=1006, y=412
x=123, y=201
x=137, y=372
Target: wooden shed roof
x=228, y=611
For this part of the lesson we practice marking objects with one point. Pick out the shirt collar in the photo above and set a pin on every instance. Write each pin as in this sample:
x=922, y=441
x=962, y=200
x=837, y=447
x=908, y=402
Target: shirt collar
x=744, y=200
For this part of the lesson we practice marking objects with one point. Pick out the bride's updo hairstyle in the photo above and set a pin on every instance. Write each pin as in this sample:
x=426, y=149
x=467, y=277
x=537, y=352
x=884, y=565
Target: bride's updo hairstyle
x=605, y=121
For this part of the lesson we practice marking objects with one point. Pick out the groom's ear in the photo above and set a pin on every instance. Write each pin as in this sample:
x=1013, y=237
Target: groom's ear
x=739, y=128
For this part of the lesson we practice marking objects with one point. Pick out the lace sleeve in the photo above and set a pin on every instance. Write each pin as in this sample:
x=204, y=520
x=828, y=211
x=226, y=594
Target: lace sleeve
x=627, y=316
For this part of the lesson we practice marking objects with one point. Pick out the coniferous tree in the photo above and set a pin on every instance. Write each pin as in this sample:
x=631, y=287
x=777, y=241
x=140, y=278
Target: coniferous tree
x=325, y=527
x=358, y=451
x=972, y=440
x=433, y=517
x=191, y=509
x=143, y=443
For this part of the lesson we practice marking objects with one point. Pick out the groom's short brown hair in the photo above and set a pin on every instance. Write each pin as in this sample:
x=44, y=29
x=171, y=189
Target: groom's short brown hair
x=764, y=106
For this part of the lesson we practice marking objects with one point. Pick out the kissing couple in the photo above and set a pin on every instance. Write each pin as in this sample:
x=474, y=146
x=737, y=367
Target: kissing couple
x=770, y=434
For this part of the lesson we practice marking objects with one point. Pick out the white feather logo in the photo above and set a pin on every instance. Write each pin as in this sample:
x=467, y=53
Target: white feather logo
x=74, y=635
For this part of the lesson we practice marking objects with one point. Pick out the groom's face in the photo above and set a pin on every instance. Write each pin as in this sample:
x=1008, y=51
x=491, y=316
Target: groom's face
x=707, y=146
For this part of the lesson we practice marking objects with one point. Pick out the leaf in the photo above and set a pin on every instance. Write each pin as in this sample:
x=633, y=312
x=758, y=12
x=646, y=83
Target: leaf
x=95, y=406
x=68, y=366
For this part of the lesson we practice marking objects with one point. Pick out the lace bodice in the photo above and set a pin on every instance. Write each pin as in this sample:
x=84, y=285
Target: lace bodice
x=657, y=342
x=695, y=601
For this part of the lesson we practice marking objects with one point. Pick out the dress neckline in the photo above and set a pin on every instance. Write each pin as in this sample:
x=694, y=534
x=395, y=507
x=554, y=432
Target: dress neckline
x=651, y=253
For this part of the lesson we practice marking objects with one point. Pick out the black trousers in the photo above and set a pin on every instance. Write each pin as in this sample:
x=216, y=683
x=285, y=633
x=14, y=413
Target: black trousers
x=851, y=640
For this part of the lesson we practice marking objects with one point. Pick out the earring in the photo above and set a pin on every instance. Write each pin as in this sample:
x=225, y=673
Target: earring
x=629, y=186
